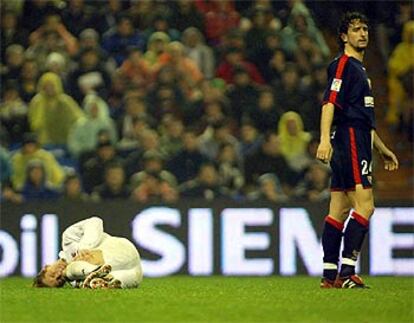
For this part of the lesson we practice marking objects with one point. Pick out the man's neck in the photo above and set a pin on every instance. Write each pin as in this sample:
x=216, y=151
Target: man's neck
x=351, y=52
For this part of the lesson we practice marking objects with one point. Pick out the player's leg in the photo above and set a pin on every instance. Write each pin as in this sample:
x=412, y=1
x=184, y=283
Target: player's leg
x=357, y=228
x=128, y=278
x=332, y=235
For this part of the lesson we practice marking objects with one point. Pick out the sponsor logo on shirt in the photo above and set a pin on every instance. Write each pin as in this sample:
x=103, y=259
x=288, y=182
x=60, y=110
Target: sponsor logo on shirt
x=369, y=101
x=336, y=85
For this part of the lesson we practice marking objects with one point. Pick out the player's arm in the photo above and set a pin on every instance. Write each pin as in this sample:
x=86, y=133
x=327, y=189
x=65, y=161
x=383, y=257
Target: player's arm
x=390, y=160
x=324, y=152
x=84, y=234
x=78, y=270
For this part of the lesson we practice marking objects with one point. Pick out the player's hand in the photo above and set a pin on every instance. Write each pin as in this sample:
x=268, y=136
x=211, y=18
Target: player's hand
x=324, y=152
x=390, y=160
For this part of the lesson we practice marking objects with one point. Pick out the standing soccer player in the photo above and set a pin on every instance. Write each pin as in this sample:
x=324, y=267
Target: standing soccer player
x=348, y=111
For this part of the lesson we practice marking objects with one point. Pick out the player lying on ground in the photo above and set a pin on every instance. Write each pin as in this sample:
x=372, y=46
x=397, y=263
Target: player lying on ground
x=91, y=258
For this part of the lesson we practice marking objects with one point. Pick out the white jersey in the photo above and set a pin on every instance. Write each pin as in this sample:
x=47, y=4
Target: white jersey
x=118, y=252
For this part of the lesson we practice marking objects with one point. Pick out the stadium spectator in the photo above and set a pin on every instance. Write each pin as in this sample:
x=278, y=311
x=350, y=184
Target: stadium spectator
x=29, y=151
x=233, y=60
x=289, y=91
x=89, y=76
x=171, y=140
x=136, y=70
x=185, y=15
x=28, y=79
x=314, y=187
x=400, y=65
x=220, y=17
x=216, y=135
x=187, y=73
x=149, y=140
x=154, y=183
x=58, y=64
x=93, y=169
x=13, y=112
x=186, y=163
x=269, y=159
x=143, y=13
x=160, y=23
x=36, y=186
x=213, y=113
x=229, y=170
x=269, y=190
x=77, y=15
x=301, y=23
x=250, y=138
x=83, y=135
x=255, y=37
x=72, y=189
x=116, y=94
x=52, y=36
x=156, y=46
x=108, y=14
x=167, y=96
x=10, y=34
x=52, y=112
x=242, y=94
x=13, y=62
x=7, y=193
x=262, y=59
x=294, y=140
x=114, y=185
x=89, y=39
x=265, y=114
x=276, y=66
x=210, y=91
x=5, y=167
x=206, y=185
x=198, y=51
x=118, y=39
x=35, y=12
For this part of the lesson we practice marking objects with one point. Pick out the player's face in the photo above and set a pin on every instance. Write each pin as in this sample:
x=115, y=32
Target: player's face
x=53, y=276
x=357, y=35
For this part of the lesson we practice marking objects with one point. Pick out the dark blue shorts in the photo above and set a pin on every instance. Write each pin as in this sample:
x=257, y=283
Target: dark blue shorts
x=352, y=159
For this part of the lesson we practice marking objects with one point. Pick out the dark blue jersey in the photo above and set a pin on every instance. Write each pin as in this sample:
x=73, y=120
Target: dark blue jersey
x=349, y=89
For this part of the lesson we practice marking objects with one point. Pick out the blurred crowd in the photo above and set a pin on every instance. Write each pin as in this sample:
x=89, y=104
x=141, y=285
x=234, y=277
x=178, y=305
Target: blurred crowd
x=161, y=100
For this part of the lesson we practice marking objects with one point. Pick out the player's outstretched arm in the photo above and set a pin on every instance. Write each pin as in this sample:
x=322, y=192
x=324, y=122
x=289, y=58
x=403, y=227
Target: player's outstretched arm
x=390, y=160
x=324, y=152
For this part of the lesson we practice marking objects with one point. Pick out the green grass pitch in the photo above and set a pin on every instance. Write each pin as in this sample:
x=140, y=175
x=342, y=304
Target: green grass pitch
x=212, y=299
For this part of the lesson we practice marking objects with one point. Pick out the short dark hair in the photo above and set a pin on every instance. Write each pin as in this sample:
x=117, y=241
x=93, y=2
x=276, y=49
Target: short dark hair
x=346, y=20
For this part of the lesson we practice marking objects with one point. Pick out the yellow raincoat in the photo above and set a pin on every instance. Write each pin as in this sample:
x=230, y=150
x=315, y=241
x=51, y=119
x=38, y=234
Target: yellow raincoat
x=400, y=62
x=293, y=146
x=51, y=115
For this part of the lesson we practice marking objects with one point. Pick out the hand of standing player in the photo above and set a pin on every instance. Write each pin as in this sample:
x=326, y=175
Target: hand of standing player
x=324, y=152
x=390, y=160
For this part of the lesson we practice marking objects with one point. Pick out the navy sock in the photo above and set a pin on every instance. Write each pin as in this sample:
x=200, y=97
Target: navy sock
x=331, y=243
x=353, y=238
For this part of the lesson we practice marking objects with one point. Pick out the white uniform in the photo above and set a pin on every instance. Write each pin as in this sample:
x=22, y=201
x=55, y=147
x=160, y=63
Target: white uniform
x=118, y=252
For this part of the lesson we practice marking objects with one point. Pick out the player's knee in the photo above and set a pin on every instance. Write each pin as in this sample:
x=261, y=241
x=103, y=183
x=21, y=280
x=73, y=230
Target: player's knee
x=366, y=211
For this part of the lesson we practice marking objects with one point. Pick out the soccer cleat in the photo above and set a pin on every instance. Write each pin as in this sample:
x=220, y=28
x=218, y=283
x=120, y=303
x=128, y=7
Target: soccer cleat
x=114, y=284
x=353, y=281
x=98, y=283
x=99, y=273
x=327, y=283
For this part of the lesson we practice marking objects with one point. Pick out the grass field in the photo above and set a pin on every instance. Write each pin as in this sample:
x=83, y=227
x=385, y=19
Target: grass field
x=190, y=299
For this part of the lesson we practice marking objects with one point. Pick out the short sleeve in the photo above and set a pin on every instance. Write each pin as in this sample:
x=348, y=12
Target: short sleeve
x=337, y=82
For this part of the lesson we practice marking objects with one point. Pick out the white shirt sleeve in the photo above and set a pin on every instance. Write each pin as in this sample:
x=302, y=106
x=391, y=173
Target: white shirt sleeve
x=78, y=270
x=86, y=234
